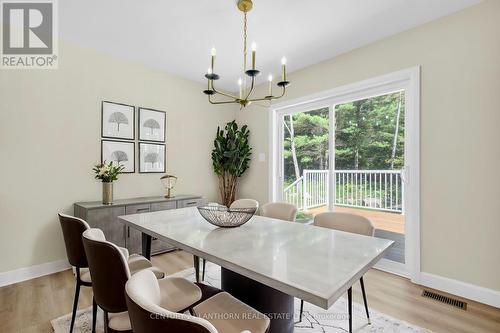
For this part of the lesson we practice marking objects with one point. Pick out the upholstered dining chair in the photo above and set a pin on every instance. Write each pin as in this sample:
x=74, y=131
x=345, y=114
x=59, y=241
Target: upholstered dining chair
x=240, y=203
x=220, y=313
x=72, y=229
x=245, y=203
x=347, y=222
x=110, y=271
x=279, y=210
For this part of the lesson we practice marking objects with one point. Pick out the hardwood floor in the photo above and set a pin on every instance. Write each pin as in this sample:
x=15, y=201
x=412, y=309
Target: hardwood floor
x=29, y=306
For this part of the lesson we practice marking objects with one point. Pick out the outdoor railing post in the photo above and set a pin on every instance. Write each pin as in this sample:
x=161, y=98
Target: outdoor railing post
x=304, y=191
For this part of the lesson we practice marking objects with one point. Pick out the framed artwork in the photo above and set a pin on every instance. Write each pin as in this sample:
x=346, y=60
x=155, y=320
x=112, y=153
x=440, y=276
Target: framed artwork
x=121, y=152
x=152, y=158
x=117, y=121
x=152, y=125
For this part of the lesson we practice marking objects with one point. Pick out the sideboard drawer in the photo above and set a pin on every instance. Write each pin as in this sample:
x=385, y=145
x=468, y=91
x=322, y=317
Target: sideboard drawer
x=190, y=203
x=157, y=206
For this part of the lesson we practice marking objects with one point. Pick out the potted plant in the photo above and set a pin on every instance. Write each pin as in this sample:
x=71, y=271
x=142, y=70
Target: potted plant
x=230, y=158
x=107, y=173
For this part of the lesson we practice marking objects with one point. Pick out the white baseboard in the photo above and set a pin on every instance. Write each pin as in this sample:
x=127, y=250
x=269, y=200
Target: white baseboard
x=463, y=289
x=31, y=272
x=392, y=267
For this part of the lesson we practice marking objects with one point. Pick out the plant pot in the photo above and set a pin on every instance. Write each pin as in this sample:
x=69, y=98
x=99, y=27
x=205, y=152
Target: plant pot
x=107, y=193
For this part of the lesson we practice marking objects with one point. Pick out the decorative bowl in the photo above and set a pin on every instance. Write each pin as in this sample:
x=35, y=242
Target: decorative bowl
x=224, y=217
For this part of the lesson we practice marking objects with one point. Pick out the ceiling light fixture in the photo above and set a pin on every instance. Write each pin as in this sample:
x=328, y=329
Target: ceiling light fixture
x=245, y=92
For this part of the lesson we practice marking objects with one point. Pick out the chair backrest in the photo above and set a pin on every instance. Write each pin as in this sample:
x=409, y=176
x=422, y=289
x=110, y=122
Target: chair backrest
x=108, y=269
x=245, y=203
x=72, y=229
x=146, y=315
x=356, y=224
x=279, y=210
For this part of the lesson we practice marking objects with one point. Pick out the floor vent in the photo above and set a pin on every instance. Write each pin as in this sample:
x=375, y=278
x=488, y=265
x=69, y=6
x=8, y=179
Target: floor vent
x=445, y=299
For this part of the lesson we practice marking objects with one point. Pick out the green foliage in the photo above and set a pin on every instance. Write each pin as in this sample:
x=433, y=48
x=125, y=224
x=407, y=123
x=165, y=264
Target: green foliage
x=364, y=136
x=107, y=172
x=230, y=158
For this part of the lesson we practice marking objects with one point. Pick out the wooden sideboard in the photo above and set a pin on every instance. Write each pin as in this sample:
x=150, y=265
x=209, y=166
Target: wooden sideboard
x=105, y=217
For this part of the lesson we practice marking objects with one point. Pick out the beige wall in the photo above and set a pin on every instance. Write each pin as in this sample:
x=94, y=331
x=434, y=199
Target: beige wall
x=50, y=138
x=460, y=136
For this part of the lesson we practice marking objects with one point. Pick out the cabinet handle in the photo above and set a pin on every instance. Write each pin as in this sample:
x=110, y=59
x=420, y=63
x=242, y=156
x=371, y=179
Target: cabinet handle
x=191, y=203
x=142, y=210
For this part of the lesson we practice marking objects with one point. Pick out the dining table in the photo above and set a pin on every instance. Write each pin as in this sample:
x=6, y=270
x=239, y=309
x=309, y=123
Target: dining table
x=268, y=262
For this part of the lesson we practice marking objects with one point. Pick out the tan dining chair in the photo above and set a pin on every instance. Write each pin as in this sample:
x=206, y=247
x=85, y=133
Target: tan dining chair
x=220, y=313
x=279, y=210
x=352, y=223
x=240, y=203
x=245, y=203
x=110, y=271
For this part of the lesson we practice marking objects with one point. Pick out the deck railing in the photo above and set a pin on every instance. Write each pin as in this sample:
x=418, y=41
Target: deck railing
x=371, y=189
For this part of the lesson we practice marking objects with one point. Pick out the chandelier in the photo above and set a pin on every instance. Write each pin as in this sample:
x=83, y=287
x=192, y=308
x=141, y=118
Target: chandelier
x=244, y=97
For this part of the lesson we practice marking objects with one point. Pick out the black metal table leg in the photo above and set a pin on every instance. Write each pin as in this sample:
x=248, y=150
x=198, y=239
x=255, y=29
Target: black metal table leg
x=146, y=246
x=196, y=264
x=349, y=305
x=364, y=299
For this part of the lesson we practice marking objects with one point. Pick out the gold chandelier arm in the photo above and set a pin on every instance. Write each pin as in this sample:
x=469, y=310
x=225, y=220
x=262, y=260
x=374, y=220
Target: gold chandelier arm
x=222, y=93
x=219, y=102
x=268, y=98
x=251, y=88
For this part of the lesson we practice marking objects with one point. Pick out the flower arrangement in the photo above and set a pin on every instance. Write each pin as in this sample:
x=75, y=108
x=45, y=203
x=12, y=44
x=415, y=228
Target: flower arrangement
x=107, y=172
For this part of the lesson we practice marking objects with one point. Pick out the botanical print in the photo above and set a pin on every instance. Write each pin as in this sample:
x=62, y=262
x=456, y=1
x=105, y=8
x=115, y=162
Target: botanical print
x=151, y=158
x=118, y=121
x=152, y=125
x=122, y=153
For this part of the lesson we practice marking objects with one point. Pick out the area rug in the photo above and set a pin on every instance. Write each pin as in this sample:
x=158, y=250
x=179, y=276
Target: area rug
x=314, y=320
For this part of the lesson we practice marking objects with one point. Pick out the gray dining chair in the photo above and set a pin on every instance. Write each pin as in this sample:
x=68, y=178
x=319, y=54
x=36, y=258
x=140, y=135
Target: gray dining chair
x=279, y=210
x=240, y=203
x=352, y=223
x=221, y=313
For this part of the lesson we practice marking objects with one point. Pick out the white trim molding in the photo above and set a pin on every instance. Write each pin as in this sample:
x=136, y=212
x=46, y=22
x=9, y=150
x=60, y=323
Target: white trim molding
x=463, y=289
x=31, y=272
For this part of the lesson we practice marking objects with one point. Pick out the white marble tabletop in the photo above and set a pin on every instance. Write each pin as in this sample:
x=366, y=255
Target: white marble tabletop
x=314, y=264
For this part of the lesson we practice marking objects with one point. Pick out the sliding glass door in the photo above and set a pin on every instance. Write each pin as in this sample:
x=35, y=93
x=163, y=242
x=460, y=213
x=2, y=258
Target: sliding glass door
x=350, y=152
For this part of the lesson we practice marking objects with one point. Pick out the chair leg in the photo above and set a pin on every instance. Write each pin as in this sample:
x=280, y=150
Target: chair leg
x=196, y=260
x=106, y=322
x=301, y=310
x=75, y=303
x=349, y=305
x=203, y=272
x=364, y=299
x=94, y=314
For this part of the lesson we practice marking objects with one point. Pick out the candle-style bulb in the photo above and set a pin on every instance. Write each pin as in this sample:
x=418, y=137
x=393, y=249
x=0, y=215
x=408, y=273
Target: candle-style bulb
x=270, y=78
x=240, y=82
x=209, y=70
x=213, y=52
x=254, y=46
x=283, y=61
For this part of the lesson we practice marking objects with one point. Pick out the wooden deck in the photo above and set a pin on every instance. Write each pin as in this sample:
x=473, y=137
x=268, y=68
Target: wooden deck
x=382, y=220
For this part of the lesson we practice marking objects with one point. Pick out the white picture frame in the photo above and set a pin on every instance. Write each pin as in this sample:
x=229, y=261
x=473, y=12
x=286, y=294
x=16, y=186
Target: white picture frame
x=117, y=121
x=152, y=125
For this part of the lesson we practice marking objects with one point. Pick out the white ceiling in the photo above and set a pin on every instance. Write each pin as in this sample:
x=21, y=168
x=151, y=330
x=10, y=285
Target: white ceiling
x=177, y=35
